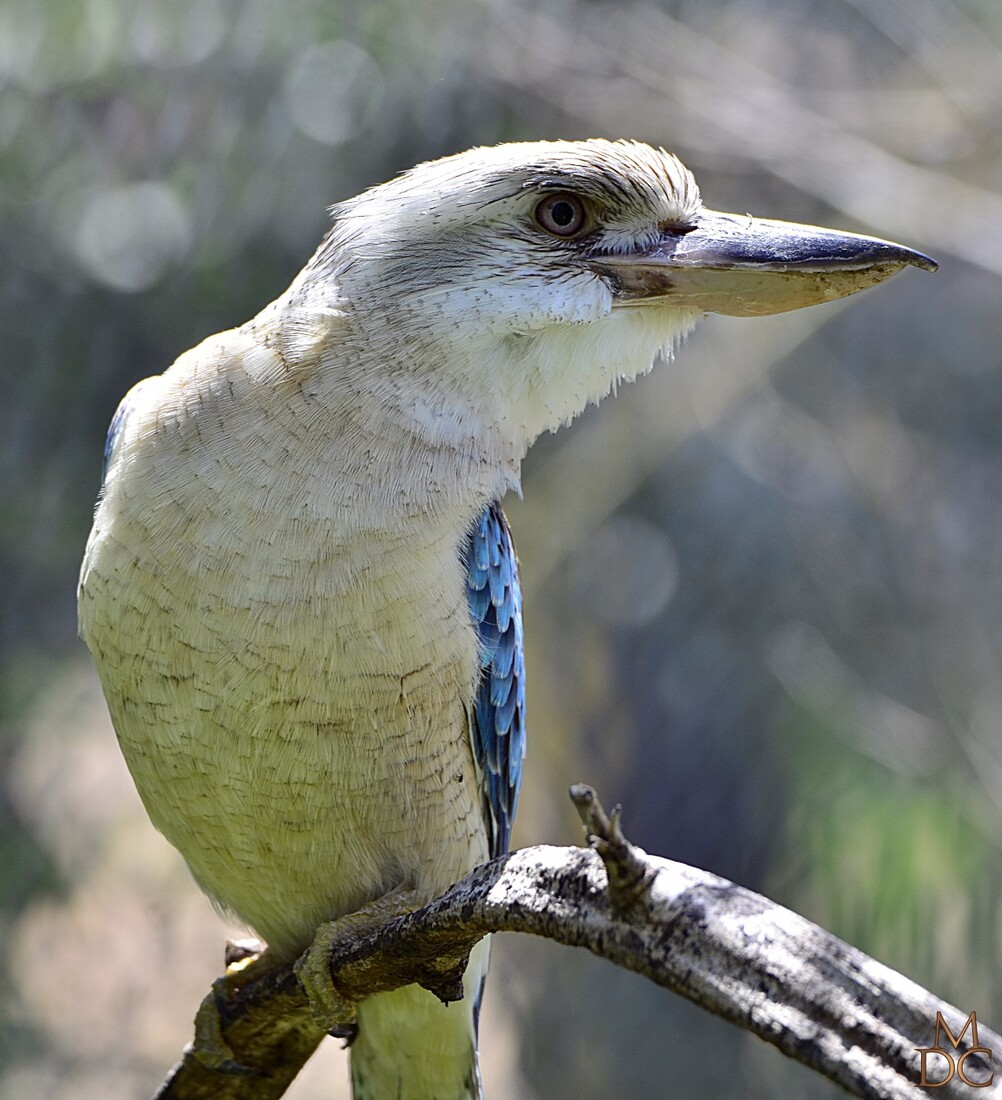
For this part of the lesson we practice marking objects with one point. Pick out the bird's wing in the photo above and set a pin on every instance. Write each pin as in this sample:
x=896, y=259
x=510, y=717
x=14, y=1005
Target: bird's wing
x=497, y=720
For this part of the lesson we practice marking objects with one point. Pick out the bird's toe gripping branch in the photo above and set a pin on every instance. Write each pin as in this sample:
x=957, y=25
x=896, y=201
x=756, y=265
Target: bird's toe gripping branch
x=246, y=960
x=331, y=1009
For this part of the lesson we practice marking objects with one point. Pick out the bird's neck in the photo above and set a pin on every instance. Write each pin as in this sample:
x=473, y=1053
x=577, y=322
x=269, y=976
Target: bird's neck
x=393, y=435
x=447, y=394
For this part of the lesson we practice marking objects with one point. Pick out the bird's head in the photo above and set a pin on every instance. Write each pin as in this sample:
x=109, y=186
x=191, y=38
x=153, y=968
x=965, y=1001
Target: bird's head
x=525, y=281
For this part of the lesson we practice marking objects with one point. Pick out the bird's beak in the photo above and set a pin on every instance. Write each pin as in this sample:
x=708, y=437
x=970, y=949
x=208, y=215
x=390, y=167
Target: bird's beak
x=748, y=267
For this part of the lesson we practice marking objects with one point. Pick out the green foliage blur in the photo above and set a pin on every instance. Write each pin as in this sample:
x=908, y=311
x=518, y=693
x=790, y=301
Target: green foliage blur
x=763, y=586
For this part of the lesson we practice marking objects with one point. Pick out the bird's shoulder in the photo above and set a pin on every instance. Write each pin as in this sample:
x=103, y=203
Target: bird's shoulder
x=282, y=345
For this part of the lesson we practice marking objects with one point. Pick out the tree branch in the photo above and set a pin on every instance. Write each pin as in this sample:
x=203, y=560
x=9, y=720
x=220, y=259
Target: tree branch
x=725, y=948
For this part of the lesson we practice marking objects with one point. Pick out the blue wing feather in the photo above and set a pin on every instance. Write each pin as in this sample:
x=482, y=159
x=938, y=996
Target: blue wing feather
x=497, y=720
x=117, y=424
x=114, y=430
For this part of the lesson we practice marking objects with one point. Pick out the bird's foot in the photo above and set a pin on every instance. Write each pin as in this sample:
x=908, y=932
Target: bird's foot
x=245, y=960
x=333, y=1011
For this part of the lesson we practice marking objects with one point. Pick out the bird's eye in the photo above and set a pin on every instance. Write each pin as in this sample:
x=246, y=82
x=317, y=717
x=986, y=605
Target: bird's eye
x=561, y=214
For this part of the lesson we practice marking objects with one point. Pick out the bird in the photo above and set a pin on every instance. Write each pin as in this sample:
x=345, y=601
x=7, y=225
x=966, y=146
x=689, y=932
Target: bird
x=300, y=590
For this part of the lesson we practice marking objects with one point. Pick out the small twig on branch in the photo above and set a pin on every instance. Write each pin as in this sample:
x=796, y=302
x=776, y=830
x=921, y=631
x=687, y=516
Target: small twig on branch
x=729, y=950
x=630, y=873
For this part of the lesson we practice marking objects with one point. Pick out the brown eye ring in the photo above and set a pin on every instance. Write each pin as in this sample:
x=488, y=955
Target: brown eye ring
x=562, y=213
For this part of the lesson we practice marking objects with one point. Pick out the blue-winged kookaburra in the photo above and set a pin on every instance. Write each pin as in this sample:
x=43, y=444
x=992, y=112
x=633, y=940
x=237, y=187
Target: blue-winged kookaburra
x=300, y=589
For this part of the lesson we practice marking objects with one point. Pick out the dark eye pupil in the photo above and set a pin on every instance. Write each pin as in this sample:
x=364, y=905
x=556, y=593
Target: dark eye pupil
x=562, y=213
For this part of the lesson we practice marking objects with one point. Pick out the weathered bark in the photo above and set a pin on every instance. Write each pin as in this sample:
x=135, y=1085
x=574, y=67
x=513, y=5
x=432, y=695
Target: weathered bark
x=732, y=951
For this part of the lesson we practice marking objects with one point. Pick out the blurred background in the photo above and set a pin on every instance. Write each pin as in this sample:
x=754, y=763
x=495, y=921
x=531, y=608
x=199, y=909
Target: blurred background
x=763, y=588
